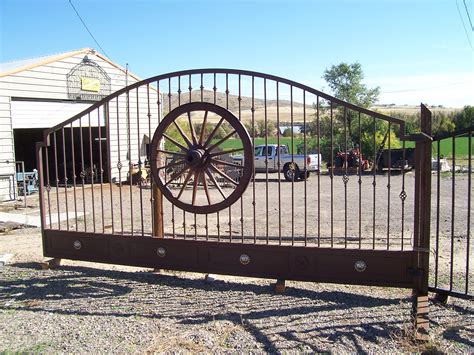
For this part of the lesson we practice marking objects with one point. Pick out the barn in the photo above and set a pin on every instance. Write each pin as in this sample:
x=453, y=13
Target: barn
x=40, y=93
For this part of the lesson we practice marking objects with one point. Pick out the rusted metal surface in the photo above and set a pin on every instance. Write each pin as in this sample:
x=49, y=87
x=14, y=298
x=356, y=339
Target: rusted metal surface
x=422, y=227
x=381, y=267
x=451, y=271
x=352, y=225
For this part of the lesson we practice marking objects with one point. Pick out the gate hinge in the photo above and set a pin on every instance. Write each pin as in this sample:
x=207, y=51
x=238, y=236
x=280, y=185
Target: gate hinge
x=415, y=272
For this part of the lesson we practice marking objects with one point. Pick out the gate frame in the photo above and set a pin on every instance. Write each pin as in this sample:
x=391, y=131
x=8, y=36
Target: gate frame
x=412, y=267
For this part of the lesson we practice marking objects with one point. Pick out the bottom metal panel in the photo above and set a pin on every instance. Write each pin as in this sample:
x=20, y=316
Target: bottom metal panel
x=346, y=266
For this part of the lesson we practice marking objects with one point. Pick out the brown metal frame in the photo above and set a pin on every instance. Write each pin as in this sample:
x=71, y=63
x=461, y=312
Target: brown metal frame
x=301, y=254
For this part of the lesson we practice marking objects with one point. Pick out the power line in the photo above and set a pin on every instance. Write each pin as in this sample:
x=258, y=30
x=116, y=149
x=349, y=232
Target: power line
x=462, y=21
x=468, y=16
x=80, y=18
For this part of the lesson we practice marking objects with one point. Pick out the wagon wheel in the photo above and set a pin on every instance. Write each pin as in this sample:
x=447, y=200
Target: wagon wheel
x=190, y=149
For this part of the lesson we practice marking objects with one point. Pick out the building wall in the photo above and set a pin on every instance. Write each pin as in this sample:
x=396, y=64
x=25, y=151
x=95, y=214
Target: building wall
x=129, y=125
x=7, y=156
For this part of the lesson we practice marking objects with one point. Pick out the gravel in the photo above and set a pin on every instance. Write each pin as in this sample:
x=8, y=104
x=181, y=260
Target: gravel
x=84, y=308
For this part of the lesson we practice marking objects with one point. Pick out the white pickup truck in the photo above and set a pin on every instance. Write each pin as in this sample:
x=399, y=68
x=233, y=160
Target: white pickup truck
x=293, y=167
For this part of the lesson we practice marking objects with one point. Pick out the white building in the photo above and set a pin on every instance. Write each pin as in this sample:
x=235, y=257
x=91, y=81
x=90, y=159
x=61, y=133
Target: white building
x=40, y=93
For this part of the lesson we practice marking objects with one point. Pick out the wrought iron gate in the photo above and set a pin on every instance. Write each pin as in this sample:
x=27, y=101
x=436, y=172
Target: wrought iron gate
x=451, y=268
x=213, y=142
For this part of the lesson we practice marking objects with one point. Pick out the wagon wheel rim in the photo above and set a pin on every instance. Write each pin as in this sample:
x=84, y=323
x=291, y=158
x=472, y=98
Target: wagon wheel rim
x=197, y=160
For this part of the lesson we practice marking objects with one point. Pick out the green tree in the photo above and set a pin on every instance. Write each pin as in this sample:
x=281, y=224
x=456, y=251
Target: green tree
x=345, y=82
x=465, y=118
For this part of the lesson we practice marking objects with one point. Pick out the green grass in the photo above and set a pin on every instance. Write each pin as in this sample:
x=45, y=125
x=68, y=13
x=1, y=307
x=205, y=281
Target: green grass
x=446, y=145
x=461, y=146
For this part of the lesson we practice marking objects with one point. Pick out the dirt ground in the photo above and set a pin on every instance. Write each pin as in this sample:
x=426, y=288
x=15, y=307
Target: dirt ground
x=72, y=308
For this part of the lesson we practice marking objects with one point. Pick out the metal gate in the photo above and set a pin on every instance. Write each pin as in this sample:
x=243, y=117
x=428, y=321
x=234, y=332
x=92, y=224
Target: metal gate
x=450, y=266
x=231, y=191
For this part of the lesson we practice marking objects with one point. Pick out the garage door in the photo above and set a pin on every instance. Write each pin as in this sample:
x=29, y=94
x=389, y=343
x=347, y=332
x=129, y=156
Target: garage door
x=40, y=114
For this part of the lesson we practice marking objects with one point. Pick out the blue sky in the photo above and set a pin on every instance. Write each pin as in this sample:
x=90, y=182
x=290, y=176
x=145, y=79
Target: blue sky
x=416, y=51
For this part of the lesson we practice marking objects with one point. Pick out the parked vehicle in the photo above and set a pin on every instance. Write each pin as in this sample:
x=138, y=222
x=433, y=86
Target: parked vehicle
x=350, y=162
x=396, y=159
x=293, y=167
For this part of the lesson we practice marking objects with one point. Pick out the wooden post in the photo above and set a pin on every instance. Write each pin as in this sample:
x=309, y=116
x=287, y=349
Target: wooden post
x=422, y=227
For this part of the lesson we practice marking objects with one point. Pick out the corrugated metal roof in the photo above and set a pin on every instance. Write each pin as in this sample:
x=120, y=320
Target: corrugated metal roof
x=17, y=65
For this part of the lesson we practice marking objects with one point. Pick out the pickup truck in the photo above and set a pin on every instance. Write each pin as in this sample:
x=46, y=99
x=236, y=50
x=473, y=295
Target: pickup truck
x=293, y=167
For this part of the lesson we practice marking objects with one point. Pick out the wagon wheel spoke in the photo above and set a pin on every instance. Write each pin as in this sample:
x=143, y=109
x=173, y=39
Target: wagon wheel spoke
x=223, y=162
x=193, y=132
x=224, y=175
x=213, y=179
x=226, y=152
x=195, y=186
x=206, y=188
x=170, y=152
x=214, y=131
x=185, y=183
x=185, y=137
x=175, y=142
x=170, y=165
x=176, y=175
x=222, y=140
x=203, y=127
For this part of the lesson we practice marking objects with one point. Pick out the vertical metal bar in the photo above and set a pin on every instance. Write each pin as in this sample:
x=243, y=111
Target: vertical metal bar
x=206, y=226
x=374, y=183
x=266, y=156
x=172, y=205
x=403, y=197
x=227, y=107
x=65, y=177
x=157, y=197
x=318, y=130
x=279, y=159
x=92, y=171
x=294, y=173
x=101, y=171
x=190, y=89
x=83, y=174
x=332, y=176
x=24, y=185
x=119, y=165
x=388, y=183
x=345, y=178
x=109, y=162
x=360, y=182
x=74, y=174
x=214, y=89
x=453, y=214
x=468, y=234
x=179, y=104
x=305, y=172
x=48, y=185
x=241, y=197
x=147, y=154
x=139, y=163
x=129, y=152
x=39, y=158
x=56, y=177
x=253, y=156
x=438, y=193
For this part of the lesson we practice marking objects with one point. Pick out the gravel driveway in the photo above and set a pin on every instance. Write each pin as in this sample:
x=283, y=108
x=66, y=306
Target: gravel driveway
x=89, y=308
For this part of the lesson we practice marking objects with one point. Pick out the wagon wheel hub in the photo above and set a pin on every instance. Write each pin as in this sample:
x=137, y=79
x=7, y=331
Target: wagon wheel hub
x=191, y=157
x=196, y=158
